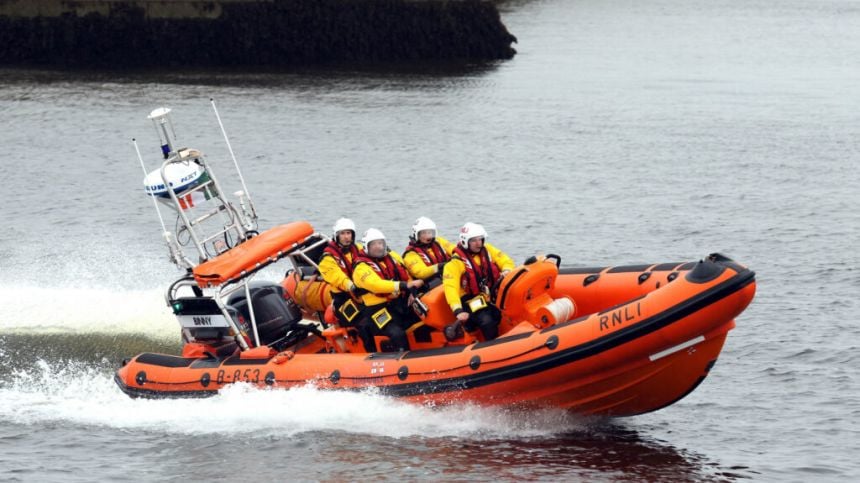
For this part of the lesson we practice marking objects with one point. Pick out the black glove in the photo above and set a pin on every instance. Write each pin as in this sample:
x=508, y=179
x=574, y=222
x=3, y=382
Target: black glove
x=453, y=331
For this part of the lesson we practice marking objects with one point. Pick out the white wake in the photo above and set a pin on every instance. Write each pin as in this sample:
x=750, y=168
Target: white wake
x=82, y=395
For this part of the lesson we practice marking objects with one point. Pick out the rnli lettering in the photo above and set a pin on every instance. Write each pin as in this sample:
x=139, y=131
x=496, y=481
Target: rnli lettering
x=619, y=316
x=200, y=320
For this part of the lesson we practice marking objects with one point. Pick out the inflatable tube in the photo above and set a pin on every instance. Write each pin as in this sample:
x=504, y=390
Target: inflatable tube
x=644, y=337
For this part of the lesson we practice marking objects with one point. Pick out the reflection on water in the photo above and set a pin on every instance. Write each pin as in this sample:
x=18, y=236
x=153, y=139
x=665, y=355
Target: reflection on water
x=316, y=76
x=603, y=452
x=600, y=450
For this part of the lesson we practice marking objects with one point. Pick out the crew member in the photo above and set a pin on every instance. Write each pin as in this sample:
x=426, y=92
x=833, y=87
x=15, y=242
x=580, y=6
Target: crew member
x=336, y=269
x=469, y=279
x=426, y=253
x=386, y=284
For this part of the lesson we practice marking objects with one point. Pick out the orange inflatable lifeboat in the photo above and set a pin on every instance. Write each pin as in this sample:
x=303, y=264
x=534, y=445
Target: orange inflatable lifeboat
x=611, y=340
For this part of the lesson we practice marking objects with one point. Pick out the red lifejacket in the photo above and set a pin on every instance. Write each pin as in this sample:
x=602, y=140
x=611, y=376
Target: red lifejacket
x=477, y=278
x=336, y=251
x=431, y=254
x=386, y=267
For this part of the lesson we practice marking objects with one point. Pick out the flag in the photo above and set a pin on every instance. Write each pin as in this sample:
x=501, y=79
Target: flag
x=197, y=198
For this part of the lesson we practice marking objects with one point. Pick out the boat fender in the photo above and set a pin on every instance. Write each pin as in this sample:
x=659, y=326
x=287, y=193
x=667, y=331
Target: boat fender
x=403, y=373
x=205, y=379
x=334, y=377
x=475, y=363
x=672, y=276
x=283, y=357
x=140, y=378
x=552, y=342
x=270, y=378
x=643, y=277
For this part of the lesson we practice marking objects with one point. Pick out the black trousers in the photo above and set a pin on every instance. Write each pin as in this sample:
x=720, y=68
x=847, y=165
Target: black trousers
x=337, y=301
x=486, y=319
x=402, y=318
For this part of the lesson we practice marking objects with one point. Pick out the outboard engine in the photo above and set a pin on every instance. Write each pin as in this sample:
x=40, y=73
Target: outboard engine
x=203, y=322
x=277, y=317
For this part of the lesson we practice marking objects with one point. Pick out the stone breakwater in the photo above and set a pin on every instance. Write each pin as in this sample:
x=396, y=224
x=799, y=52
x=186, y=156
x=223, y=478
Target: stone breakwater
x=147, y=33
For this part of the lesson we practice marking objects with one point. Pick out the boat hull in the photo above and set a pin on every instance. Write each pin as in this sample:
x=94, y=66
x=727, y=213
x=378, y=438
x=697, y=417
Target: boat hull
x=648, y=350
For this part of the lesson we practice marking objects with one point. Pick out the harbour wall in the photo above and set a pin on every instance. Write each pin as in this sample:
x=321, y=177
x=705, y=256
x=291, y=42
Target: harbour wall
x=170, y=33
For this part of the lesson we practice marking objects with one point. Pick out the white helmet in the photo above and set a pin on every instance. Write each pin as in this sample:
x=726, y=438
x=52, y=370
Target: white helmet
x=372, y=234
x=343, y=224
x=421, y=224
x=471, y=230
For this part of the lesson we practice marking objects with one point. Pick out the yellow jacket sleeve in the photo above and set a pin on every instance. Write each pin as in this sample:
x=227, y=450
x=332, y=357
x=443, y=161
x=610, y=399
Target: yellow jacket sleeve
x=446, y=245
x=454, y=270
x=368, y=279
x=417, y=267
x=365, y=277
x=502, y=260
x=334, y=275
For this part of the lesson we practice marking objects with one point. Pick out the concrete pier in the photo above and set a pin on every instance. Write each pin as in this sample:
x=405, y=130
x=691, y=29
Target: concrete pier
x=144, y=33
